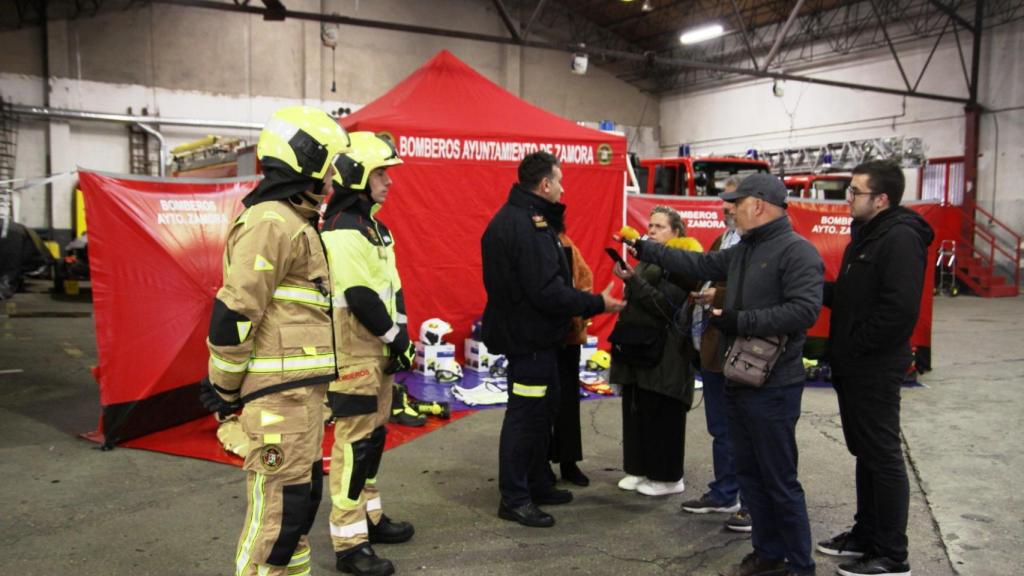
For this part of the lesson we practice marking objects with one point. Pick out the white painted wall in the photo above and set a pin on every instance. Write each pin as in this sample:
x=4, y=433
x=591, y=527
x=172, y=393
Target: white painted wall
x=193, y=63
x=745, y=115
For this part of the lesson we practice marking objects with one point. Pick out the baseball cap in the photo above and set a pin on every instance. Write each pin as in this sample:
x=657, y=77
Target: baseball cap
x=764, y=186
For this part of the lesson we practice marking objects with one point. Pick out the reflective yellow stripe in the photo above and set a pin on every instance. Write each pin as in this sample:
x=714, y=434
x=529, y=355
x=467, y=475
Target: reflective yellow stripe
x=229, y=366
x=299, y=558
x=340, y=498
x=301, y=295
x=268, y=364
x=528, y=391
x=252, y=527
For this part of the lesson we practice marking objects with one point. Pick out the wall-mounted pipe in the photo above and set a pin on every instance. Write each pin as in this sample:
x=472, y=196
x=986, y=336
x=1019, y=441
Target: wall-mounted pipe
x=163, y=146
x=47, y=112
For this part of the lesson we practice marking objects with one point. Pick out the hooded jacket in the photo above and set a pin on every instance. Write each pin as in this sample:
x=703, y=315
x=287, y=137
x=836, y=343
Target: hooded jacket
x=271, y=325
x=780, y=276
x=876, y=298
x=530, y=298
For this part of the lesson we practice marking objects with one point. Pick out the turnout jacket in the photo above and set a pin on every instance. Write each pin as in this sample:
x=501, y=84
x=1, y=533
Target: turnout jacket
x=780, y=275
x=530, y=298
x=369, y=309
x=271, y=324
x=876, y=297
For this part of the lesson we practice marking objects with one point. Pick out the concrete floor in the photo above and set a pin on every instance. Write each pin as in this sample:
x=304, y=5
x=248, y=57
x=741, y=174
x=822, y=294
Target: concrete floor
x=72, y=509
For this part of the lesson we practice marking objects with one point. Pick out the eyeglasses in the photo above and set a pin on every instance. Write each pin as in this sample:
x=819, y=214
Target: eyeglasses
x=852, y=192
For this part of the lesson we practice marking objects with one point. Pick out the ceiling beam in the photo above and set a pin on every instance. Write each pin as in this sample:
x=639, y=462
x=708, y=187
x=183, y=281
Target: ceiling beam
x=646, y=57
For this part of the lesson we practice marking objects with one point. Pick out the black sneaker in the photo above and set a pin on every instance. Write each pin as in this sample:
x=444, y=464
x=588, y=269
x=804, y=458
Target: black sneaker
x=845, y=544
x=871, y=565
x=740, y=522
x=754, y=564
x=706, y=504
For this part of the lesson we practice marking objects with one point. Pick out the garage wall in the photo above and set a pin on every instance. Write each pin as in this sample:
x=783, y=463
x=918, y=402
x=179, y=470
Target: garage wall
x=194, y=63
x=746, y=115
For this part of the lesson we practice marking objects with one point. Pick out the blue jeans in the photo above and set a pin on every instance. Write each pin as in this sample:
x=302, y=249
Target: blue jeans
x=762, y=425
x=723, y=488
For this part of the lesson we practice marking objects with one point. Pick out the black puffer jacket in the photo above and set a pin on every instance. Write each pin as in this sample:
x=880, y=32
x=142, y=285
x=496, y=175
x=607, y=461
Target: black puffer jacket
x=530, y=298
x=876, y=298
x=656, y=303
x=781, y=275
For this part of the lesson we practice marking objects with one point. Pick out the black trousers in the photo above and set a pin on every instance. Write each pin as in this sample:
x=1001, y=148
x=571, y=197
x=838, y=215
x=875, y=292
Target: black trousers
x=869, y=407
x=566, y=442
x=533, y=393
x=653, y=434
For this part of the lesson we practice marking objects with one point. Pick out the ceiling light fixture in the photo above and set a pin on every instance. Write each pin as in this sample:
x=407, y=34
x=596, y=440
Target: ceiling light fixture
x=647, y=6
x=702, y=34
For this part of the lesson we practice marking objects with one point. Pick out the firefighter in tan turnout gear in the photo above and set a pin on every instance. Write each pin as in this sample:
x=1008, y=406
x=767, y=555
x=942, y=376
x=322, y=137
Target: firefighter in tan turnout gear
x=270, y=339
x=372, y=343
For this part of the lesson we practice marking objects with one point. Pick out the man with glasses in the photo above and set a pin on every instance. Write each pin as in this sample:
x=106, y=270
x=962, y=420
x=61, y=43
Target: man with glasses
x=775, y=280
x=875, y=302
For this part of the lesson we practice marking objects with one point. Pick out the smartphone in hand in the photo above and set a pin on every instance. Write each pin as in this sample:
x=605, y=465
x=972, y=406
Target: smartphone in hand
x=614, y=255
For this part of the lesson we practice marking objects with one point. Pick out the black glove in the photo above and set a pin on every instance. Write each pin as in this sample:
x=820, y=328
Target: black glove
x=728, y=322
x=638, y=247
x=403, y=352
x=214, y=402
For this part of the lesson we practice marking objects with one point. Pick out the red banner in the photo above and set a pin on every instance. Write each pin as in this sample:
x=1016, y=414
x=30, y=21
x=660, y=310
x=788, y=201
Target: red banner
x=825, y=224
x=155, y=258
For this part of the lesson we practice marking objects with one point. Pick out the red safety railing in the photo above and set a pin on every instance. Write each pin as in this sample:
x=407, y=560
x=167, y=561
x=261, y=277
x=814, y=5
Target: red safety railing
x=991, y=243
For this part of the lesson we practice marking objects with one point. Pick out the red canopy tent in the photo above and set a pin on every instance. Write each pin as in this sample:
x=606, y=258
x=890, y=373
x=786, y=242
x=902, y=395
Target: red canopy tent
x=156, y=245
x=462, y=137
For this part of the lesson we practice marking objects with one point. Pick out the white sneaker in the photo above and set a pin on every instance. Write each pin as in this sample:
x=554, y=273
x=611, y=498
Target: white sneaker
x=655, y=488
x=630, y=482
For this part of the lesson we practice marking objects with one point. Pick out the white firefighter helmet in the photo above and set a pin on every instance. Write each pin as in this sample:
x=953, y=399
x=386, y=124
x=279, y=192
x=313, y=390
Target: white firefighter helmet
x=448, y=370
x=433, y=331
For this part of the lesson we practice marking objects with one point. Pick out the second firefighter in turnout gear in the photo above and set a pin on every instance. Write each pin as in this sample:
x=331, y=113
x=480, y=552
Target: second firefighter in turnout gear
x=372, y=343
x=270, y=339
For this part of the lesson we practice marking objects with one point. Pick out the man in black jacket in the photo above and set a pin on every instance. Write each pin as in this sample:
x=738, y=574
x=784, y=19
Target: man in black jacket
x=530, y=301
x=775, y=282
x=875, y=302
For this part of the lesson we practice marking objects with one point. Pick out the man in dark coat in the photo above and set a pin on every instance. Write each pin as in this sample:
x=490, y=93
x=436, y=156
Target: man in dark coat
x=875, y=303
x=530, y=304
x=775, y=282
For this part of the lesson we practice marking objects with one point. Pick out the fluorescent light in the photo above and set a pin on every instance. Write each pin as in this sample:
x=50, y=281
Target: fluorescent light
x=701, y=34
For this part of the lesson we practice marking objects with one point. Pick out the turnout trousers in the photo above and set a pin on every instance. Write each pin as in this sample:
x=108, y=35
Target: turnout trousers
x=360, y=402
x=285, y=481
x=533, y=398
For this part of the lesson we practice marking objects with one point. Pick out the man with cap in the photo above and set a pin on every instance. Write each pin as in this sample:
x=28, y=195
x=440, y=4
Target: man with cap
x=775, y=280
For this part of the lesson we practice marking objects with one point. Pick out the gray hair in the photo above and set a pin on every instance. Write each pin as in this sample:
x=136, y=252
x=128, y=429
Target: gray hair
x=675, y=221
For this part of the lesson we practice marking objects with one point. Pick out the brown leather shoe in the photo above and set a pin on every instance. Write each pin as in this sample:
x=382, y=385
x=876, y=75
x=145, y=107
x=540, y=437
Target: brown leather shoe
x=755, y=565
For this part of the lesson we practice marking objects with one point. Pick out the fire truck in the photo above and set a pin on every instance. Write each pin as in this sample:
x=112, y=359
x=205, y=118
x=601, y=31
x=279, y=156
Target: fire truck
x=818, y=186
x=689, y=176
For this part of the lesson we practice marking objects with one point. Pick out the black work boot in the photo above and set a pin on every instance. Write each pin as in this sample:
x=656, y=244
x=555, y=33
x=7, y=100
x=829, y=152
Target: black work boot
x=363, y=561
x=387, y=531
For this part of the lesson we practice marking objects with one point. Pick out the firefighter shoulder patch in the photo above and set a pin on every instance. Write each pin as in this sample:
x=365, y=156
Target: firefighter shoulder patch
x=272, y=457
x=539, y=221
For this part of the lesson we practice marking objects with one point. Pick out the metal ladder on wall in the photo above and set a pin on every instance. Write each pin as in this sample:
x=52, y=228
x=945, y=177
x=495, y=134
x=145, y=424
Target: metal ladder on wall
x=143, y=157
x=8, y=147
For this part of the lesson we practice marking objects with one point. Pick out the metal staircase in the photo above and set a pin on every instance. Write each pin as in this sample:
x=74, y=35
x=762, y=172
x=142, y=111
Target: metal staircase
x=8, y=147
x=989, y=252
x=143, y=156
